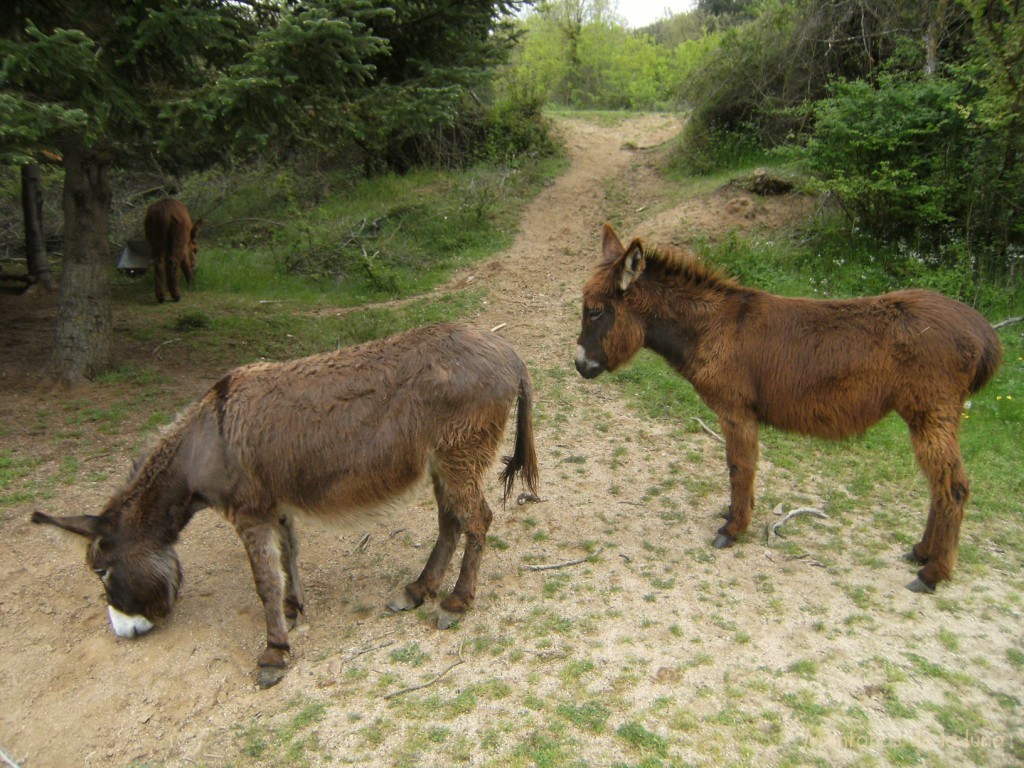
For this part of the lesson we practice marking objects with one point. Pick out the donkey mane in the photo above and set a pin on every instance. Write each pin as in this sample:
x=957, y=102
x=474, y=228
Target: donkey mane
x=667, y=262
x=686, y=265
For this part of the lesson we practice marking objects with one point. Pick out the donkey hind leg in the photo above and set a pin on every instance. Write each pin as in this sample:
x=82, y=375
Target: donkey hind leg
x=464, y=592
x=429, y=580
x=938, y=454
x=263, y=545
x=159, y=276
x=173, y=281
x=294, y=602
x=741, y=458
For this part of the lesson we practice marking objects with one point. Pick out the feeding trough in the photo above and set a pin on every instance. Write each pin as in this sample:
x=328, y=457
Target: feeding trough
x=135, y=258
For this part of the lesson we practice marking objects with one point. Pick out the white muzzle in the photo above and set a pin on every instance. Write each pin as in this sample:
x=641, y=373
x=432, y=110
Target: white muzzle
x=128, y=626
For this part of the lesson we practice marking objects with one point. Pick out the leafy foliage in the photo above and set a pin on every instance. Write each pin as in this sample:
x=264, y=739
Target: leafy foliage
x=576, y=54
x=891, y=153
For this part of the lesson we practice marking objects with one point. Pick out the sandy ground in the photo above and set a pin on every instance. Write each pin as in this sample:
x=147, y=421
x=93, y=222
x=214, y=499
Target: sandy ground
x=657, y=617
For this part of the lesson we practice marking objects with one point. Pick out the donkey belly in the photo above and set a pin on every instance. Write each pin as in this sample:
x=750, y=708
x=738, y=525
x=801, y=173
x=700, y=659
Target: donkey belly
x=833, y=416
x=358, y=495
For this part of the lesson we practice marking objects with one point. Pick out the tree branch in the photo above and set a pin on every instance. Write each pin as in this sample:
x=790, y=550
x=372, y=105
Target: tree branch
x=566, y=564
x=427, y=684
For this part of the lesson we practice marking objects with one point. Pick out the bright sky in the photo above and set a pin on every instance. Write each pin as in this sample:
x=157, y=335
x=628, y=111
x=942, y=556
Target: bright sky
x=640, y=13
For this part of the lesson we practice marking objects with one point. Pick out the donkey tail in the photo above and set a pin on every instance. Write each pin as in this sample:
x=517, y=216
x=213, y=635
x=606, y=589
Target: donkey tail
x=989, y=360
x=523, y=460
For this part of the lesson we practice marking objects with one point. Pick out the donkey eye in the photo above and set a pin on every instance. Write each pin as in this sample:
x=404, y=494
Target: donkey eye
x=594, y=314
x=101, y=572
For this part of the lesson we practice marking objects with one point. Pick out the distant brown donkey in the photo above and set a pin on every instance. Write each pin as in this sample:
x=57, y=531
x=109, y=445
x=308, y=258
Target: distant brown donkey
x=172, y=242
x=825, y=368
x=338, y=438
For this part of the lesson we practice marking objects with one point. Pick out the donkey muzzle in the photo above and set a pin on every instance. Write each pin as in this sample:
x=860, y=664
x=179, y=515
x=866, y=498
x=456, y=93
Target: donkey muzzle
x=588, y=369
x=128, y=626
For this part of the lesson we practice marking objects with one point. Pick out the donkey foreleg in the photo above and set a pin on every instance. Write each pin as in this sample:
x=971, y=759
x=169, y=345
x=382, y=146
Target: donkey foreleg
x=188, y=270
x=262, y=542
x=741, y=458
x=294, y=602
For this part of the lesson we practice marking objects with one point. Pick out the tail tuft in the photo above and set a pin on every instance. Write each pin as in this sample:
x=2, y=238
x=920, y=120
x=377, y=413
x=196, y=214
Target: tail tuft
x=523, y=460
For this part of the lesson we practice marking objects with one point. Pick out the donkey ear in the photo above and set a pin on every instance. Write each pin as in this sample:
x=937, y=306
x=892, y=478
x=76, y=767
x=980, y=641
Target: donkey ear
x=196, y=227
x=610, y=244
x=83, y=525
x=633, y=264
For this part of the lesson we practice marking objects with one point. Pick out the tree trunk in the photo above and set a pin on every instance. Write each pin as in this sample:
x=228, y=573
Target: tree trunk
x=82, y=347
x=32, y=210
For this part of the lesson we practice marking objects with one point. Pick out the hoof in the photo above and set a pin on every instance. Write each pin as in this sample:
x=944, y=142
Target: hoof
x=722, y=541
x=402, y=602
x=919, y=586
x=446, y=618
x=270, y=676
x=913, y=557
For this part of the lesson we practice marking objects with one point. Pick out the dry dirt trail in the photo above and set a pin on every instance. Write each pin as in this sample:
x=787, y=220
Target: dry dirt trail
x=657, y=649
x=72, y=694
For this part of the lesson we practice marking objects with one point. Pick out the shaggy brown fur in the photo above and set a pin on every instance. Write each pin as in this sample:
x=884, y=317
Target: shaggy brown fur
x=335, y=437
x=172, y=242
x=824, y=368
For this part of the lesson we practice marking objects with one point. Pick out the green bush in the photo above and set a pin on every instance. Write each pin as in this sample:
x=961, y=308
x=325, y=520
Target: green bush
x=910, y=164
x=515, y=128
x=893, y=154
x=704, y=149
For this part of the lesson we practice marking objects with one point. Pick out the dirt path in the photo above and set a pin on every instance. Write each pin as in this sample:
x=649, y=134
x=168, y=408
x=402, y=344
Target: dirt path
x=658, y=649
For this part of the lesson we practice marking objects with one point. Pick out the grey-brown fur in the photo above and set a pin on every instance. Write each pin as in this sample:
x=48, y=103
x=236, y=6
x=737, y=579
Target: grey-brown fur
x=336, y=437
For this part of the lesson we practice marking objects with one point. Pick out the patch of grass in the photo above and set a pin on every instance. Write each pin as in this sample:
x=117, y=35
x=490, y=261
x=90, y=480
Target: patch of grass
x=589, y=716
x=15, y=488
x=805, y=668
x=410, y=654
x=543, y=750
x=902, y=753
x=640, y=738
x=806, y=707
x=1016, y=657
x=289, y=742
x=937, y=671
x=958, y=719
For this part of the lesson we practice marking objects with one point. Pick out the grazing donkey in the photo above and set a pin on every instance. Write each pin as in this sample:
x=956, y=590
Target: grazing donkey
x=172, y=242
x=336, y=437
x=825, y=368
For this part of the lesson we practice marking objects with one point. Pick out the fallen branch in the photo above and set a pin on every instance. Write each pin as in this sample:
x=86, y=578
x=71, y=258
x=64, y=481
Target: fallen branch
x=497, y=328
x=1008, y=321
x=709, y=430
x=774, y=527
x=161, y=345
x=566, y=564
x=427, y=684
x=371, y=649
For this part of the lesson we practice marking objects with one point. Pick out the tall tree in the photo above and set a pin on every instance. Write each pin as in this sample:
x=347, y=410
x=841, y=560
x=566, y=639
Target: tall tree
x=195, y=81
x=87, y=81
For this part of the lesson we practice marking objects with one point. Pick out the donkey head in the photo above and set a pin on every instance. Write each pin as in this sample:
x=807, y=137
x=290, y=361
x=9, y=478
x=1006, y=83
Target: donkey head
x=141, y=576
x=612, y=332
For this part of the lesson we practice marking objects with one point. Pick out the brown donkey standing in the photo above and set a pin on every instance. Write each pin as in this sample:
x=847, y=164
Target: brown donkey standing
x=825, y=368
x=172, y=242
x=335, y=438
